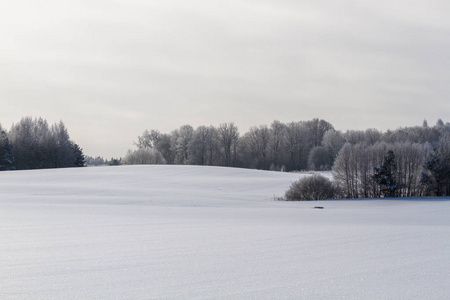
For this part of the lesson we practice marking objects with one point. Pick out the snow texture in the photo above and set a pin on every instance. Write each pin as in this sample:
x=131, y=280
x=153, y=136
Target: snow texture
x=186, y=232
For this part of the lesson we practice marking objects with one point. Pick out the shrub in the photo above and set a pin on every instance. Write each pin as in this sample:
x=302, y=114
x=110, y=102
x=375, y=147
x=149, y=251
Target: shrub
x=314, y=187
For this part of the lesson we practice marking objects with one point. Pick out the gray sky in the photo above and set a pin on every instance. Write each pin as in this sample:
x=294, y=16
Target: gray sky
x=111, y=69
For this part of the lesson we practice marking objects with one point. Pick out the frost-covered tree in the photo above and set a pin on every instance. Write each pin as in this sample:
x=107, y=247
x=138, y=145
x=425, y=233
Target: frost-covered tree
x=148, y=139
x=277, y=144
x=203, y=146
x=299, y=143
x=322, y=157
x=409, y=159
x=436, y=176
x=36, y=145
x=227, y=138
x=319, y=159
x=416, y=134
x=24, y=144
x=317, y=129
x=369, y=136
x=181, y=139
x=345, y=171
x=146, y=156
x=44, y=143
x=333, y=141
x=257, y=142
x=164, y=146
x=164, y=143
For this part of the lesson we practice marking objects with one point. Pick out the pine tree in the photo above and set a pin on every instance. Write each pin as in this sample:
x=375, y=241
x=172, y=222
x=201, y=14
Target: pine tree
x=436, y=177
x=79, y=156
x=385, y=176
x=7, y=161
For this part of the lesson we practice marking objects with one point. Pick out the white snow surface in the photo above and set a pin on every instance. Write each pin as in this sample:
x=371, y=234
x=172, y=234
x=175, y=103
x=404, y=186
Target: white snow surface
x=186, y=232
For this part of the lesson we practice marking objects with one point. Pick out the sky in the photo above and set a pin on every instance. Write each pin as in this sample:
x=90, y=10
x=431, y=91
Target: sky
x=112, y=69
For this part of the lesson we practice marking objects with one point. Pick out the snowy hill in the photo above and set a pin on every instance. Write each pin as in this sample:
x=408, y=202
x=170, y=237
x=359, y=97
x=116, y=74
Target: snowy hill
x=183, y=232
x=160, y=185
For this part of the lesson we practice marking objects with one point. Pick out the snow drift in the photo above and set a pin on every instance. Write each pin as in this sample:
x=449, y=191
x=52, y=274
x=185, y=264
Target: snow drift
x=171, y=232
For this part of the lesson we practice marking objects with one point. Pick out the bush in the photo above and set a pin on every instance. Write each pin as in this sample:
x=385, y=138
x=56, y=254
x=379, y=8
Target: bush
x=314, y=187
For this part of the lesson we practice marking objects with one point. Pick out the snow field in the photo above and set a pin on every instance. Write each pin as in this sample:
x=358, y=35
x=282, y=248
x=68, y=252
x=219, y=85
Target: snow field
x=185, y=232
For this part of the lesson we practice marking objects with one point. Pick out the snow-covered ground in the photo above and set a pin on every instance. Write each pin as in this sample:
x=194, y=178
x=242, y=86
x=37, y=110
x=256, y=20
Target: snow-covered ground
x=182, y=232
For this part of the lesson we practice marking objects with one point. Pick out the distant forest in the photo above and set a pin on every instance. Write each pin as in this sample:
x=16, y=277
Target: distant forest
x=408, y=161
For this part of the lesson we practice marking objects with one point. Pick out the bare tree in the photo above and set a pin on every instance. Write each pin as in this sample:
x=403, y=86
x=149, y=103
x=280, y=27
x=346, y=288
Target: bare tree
x=277, y=142
x=257, y=140
x=203, y=146
x=228, y=136
x=181, y=139
x=319, y=159
x=317, y=129
x=298, y=144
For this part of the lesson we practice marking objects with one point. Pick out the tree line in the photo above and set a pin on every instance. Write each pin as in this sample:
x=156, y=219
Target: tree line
x=406, y=162
x=279, y=146
x=34, y=144
x=420, y=159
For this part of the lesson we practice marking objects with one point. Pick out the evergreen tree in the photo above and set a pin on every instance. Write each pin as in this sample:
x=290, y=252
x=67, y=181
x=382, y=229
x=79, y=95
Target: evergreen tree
x=7, y=160
x=79, y=156
x=436, y=177
x=385, y=176
x=64, y=155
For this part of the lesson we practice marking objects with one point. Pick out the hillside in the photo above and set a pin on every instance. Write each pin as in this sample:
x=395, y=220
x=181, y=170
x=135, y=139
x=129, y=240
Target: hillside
x=183, y=232
x=162, y=185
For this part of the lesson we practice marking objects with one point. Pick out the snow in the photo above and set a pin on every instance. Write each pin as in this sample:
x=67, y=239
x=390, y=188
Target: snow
x=186, y=232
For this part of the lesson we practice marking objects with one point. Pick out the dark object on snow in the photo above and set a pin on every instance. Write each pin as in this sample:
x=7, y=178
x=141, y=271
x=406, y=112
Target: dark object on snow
x=319, y=207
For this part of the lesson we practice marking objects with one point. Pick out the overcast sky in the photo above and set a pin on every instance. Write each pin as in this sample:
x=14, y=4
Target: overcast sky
x=111, y=69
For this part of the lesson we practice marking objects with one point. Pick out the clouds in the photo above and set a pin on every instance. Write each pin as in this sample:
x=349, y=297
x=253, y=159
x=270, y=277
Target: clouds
x=126, y=66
